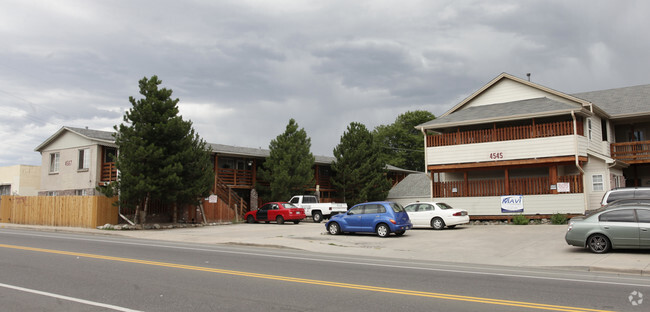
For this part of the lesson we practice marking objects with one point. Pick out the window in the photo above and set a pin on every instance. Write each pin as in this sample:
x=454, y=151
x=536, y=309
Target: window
x=84, y=159
x=589, y=128
x=54, y=162
x=5, y=189
x=52, y=193
x=603, y=126
x=80, y=192
x=356, y=210
x=109, y=154
x=643, y=215
x=623, y=215
x=597, y=182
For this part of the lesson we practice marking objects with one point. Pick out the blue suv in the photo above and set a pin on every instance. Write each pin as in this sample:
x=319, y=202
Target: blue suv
x=379, y=217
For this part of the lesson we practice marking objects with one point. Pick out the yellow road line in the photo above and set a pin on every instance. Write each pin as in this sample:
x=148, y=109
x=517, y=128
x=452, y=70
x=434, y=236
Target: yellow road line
x=522, y=304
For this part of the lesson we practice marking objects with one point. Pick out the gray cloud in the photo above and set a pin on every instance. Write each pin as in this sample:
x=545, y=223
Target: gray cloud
x=242, y=69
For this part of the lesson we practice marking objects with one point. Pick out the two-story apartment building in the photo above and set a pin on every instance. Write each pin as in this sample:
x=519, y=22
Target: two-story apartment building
x=76, y=160
x=515, y=146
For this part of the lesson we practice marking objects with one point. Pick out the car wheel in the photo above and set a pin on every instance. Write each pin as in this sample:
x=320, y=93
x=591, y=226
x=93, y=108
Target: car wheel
x=334, y=228
x=279, y=220
x=250, y=219
x=317, y=217
x=296, y=221
x=400, y=233
x=382, y=230
x=437, y=224
x=598, y=243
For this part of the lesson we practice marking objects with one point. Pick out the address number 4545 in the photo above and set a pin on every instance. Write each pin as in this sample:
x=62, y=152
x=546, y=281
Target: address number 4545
x=496, y=155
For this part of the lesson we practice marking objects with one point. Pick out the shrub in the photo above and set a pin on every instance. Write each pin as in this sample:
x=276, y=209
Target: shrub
x=559, y=218
x=520, y=220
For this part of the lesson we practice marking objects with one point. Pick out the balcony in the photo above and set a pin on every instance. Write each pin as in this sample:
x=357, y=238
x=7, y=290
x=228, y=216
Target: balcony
x=497, y=187
x=505, y=134
x=109, y=172
x=631, y=152
x=236, y=177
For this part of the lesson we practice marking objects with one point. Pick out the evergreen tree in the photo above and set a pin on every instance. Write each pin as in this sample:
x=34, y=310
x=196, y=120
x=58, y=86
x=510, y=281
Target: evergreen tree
x=288, y=169
x=360, y=173
x=160, y=157
x=401, y=144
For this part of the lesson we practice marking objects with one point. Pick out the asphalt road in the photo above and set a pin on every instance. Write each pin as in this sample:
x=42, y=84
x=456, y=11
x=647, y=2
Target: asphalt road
x=45, y=271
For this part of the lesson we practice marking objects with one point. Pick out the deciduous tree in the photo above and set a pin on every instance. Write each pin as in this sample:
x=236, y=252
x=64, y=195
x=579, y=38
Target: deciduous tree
x=401, y=144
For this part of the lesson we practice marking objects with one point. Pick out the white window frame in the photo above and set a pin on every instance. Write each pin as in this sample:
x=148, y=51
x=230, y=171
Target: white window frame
x=54, y=162
x=84, y=159
x=597, y=186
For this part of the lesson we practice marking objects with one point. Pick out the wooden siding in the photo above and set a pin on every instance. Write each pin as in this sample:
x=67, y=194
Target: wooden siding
x=504, y=134
x=497, y=187
x=74, y=211
x=631, y=152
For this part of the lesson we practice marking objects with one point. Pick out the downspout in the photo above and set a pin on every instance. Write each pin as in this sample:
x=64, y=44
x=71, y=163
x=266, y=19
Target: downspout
x=424, y=134
x=582, y=171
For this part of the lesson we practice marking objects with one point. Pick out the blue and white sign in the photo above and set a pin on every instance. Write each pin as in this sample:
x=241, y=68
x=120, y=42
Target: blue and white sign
x=512, y=203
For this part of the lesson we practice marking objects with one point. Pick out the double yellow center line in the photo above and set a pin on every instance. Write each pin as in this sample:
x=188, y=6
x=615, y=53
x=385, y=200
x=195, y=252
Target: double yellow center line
x=521, y=304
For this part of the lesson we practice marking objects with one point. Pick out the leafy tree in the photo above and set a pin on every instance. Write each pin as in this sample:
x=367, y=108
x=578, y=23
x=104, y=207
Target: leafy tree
x=288, y=169
x=160, y=156
x=360, y=173
x=401, y=144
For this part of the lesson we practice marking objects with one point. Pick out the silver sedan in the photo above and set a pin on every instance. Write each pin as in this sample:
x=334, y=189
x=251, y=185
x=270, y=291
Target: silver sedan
x=619, y=226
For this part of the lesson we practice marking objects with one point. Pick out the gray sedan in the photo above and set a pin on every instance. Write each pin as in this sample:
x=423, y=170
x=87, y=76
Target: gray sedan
x=619, y=226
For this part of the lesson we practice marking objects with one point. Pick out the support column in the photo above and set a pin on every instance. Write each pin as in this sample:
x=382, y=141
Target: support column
x=552, y=178
x=507, y=181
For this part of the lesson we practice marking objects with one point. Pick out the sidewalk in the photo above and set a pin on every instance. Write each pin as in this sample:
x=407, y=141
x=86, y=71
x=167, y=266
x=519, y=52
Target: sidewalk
x=510, y=245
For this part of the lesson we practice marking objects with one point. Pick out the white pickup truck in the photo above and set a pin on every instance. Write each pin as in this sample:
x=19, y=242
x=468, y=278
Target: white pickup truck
x=317, y=210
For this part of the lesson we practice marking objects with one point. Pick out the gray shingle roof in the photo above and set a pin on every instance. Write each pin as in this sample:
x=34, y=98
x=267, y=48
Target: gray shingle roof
x=510, y=110
x=94, y=134
x=620, y=102
x=414, y=185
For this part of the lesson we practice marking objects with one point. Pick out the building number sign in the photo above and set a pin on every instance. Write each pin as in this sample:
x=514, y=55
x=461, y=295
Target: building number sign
x=68, y=162
x=498, y=155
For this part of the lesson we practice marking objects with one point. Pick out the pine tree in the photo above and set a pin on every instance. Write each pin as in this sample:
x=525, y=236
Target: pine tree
x=288, y=169
x=359, y=172
x=160, y=157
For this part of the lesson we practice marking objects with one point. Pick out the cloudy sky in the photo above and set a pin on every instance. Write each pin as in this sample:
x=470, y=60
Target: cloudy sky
x=242, y=69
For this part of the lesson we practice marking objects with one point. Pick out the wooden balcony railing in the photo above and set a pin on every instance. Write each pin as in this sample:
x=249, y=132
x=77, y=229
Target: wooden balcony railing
x=236, y=176
x=109, y=172
x=504, y=134
x=497, y=187
x=632, y=152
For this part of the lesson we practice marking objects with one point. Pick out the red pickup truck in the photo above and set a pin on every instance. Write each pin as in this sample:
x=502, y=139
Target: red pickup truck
x=276, y=211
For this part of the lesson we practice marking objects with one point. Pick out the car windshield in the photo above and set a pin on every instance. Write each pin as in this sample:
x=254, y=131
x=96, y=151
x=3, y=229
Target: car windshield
x=289, y=205
x=444, y=206
x=397, y=207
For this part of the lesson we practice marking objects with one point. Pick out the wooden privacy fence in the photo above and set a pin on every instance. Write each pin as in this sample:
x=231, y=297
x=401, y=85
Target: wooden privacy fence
x=74, y=211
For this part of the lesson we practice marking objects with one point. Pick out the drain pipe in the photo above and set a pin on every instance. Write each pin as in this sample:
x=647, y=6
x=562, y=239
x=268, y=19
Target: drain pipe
x=582, y=171
x=424, y=134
